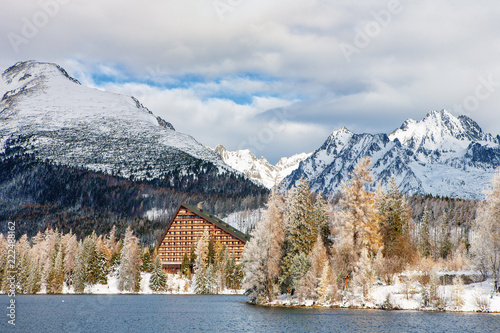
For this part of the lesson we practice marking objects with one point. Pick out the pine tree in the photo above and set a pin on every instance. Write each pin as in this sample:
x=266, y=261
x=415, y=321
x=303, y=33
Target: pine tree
x=185, y=269
x=262, y=255
x=321, y=219
x=301, y=228
x=210, y=282
x=425, y=236
x=147, y=264
x=102, y=268
x=445, y=243
x=80, y=270
x=34, y=280
x=394, y=218
x=92, y=266
x=301, y=232
x=158, y=281
x=211, y=251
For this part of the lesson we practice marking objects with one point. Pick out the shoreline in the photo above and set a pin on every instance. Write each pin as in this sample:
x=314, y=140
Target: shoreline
x=339, y=307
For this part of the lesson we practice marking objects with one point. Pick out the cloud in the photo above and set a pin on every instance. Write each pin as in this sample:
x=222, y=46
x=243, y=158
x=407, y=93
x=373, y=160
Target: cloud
x=228, y=67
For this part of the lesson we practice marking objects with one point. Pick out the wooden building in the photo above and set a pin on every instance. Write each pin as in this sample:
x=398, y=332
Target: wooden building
x=186, y=228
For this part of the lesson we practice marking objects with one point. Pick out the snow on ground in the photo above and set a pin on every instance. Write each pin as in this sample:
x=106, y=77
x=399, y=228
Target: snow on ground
x=472, y=298
x=175, y=285
x=156, y=213
x=244, y=220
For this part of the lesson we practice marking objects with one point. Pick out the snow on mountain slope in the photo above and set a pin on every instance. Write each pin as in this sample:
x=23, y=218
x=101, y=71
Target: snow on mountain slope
x=260, y=170
x=441, y=155
x=46, y=112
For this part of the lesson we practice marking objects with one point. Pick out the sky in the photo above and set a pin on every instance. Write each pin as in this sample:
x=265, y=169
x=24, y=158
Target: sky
x=276, y=77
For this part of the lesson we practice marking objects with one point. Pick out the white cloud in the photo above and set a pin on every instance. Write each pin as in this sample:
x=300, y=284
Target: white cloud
x=430, y=55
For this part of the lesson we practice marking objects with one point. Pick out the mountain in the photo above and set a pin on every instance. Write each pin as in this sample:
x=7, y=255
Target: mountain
x=79, y=158
x=441, y=154
x=47, y=113
x=260, y=170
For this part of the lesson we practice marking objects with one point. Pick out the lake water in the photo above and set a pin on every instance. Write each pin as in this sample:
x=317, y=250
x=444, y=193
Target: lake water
x=176, y=313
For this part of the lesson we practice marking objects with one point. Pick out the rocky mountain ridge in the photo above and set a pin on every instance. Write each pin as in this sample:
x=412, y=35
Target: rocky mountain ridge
x=441, y=154
x=260, y=170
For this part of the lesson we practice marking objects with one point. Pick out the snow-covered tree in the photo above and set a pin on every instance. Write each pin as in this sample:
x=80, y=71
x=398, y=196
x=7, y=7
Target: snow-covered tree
x=301, y=232
x=23, y=250
x=130, y=263
x=111, y=242
x=201, y=263
x=486, y=242
x=263, y=253
x=364, y=274
x=158, y=281
x=327, y=286
x=55, y=279
x=301, y=228
x=457, y=292
x=80, y=270
x=317, y=258
x=48, y=252
x=70, y=244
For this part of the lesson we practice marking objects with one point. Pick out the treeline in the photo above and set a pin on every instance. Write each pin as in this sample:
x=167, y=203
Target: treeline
x=320, y=250
x=40, y=195
x=52, y=260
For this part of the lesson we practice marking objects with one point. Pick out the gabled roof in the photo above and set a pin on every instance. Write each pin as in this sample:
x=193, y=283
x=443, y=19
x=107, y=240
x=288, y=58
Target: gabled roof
x=209, y=217
x=218, y=222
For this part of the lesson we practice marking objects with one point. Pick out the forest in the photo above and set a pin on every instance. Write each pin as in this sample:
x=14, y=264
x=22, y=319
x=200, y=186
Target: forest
x=39, y=195
x=330, y=250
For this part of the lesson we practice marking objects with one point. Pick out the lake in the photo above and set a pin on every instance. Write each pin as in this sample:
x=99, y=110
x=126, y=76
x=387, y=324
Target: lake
x=181, y=313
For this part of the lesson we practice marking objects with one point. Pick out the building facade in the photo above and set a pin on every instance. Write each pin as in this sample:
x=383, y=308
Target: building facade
x=185, y=229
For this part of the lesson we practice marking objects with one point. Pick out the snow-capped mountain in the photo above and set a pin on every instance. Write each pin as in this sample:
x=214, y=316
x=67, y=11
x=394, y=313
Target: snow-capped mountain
x=47, y=113
x=260, y=170
x=441, y=155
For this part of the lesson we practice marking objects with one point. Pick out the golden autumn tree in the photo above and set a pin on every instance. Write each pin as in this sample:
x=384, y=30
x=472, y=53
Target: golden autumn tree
x=358, y=215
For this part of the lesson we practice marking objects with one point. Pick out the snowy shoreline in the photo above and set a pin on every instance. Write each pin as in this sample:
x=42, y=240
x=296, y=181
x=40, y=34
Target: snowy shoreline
x=176, y=285
x=474, y=298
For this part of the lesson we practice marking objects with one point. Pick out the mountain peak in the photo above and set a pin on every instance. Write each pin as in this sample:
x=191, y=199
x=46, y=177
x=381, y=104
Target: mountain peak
x=437, y=129
x=23, y=70
x=260, y=170
x=220, y=149
x=45, y=113
x=342, y=130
